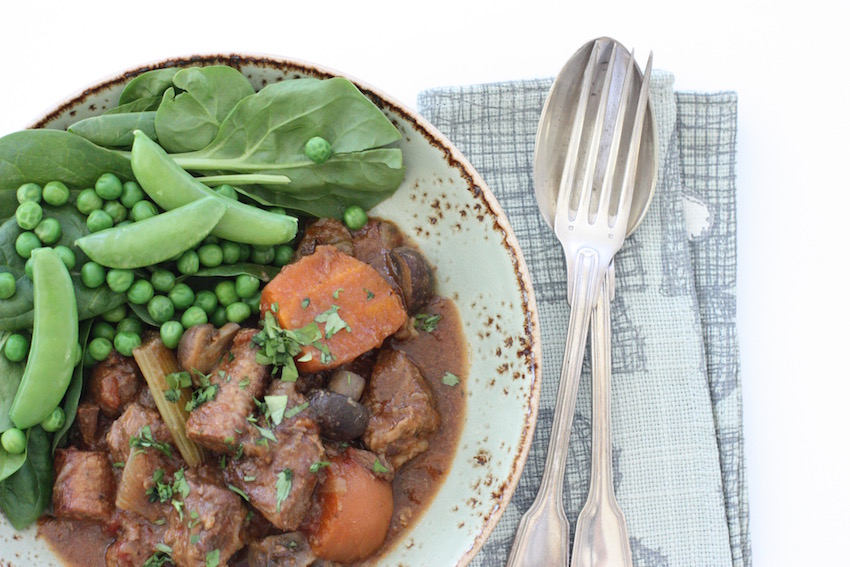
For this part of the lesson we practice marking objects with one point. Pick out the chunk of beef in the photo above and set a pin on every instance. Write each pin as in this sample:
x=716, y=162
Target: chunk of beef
x=325, y=231
x=135, y=540
x=372, y=245
x=86, y=425
x=403, y=412
x=131, y=423
x=275, y=474
x=211, y=518
x=239, y=379
x=114, y=383
x=282, y=550
x=84, y=488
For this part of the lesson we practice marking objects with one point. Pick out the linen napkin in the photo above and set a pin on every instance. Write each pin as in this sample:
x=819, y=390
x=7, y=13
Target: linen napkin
x=679, y=468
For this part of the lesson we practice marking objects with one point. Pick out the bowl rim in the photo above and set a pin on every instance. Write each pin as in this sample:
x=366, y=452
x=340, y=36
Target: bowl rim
x=454, y=158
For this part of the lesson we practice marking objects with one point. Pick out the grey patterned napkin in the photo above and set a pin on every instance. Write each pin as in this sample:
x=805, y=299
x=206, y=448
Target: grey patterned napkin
x=677, y=431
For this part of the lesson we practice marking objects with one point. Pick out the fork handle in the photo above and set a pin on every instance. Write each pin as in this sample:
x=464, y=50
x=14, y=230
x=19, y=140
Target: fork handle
x=543, y=535
x=601, y=537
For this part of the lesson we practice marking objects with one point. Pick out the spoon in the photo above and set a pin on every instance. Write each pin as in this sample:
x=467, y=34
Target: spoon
x=543, y=534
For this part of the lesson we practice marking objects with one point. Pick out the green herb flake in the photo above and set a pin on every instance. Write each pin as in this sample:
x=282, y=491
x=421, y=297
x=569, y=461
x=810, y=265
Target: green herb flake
x=317, y=466
x=337, y=292
x=283, y=486
x=145, y=440
x=333, y=322
x=161, y=547
x=276, y=408
x=176, y=381
x=118, y=464
x=194, y=539
x=305, y=303
x=244, y=383
x=295, y=410
x=379, y=468
x=450, y=379
x=212, y=559
x=426, y=322
x=239, y=492
x=369, y=295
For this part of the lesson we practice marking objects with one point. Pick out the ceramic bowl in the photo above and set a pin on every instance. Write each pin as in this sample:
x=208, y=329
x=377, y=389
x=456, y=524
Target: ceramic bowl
x=445, y=206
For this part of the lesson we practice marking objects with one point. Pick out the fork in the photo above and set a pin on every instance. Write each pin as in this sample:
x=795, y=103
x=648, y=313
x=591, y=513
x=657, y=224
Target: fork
x=590, y=234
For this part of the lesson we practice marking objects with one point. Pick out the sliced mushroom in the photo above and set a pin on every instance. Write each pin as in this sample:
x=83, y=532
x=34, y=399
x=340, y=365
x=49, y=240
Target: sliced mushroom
x=414, y=277
x=340, y=417
x=347, y=383
x=202, y=346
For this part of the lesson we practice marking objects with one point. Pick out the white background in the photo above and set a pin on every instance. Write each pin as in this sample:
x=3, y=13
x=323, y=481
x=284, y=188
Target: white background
x=786, y=63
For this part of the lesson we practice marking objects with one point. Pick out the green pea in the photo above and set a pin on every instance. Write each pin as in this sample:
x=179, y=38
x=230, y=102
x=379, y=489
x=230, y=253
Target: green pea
x=219, y=316
x=283, y=255
x=92, y=274
x=28, y=215
x=67, y=256
x=131, y=193
x=119, y=280
x=254, y=303
x=188, y=263
x=88, y=359
x=14, y=441
x=108, y=186
x=17, y=347
x=102, y=329
x=210, y=255
x=227, y=191
x=56, y=193
x=225, y=292
x=355, y=217
x=160, y=309
x=115, y=314
x=49, y=231
x=182, y=296
x=163, y=280
x=8, y=285
x=25, y=243
x=229, y=252
x=262, y=254
x=210, y=239
x=88, y=201
x=78, y=354
x=246, y=286
x=193, y=316
x=28, y=268
x=99, y=220
x=130, y=325
x=171, y=332
x=206, y=300
x=237, y=312
x=318, y=149
x=29, y=192
x=140, y=292
x=116, y=210
x=54, y=421
x=244, y=252
x=100, y=348
x=125, y=342
x=142, y=210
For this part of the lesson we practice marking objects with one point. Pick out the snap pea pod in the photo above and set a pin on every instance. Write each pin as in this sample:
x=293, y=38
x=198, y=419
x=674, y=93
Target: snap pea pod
x=155, y=239
x=171, y=186
x=54, y=341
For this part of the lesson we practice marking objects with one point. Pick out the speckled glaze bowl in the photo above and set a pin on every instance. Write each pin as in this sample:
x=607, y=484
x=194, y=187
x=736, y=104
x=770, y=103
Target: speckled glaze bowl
x=444, y=205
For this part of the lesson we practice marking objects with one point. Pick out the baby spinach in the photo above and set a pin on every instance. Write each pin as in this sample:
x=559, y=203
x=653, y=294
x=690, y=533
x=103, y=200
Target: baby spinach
x=189, y=120
x=150, y=84
x=145, y=104
x=75, y=389
x=115, y=130
x=10, y=379
x=25, y=494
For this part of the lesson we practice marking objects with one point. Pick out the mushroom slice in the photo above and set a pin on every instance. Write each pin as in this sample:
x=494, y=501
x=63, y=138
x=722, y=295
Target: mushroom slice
x=202, y=346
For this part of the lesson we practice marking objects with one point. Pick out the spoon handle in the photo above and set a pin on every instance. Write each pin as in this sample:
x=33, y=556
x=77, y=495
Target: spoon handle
x=601, y=538
x=543, y=535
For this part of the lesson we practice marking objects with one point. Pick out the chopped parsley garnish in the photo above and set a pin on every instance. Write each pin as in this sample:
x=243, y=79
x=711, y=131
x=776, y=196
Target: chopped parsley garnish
x=145, y=440
x=118, y=464
x=276, y=346
x=212, y=559
x=275, y=408
x=315, y=467
x=205, y=393
x=244, y=383
x=379, y=468
x=450, y=379
x=305, y=303
x=194, y=539
x=295, y=410
x=160, y=491
x=333, y=322
x=337, y=292
x=426, y=322
x=239, y=492
x=283, y=486
x=176, y=381
x=369, y=294
x=162, y=556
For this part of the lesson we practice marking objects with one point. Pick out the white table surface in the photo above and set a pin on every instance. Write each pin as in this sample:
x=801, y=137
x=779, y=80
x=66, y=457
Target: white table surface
x=786, y=63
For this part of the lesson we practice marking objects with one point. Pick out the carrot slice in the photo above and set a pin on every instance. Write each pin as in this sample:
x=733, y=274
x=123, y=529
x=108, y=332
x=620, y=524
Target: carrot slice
x=354, y=307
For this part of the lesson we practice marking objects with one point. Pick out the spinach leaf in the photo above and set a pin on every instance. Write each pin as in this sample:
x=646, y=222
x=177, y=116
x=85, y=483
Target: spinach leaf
x=148, y=85
x=115, y=130
x=190, y=120
x=329, y=205
x=263, y=273
x=142, y=313
x=54, y=155
x=17, y=310
x=10, y=379
x=25, y=494
x=75, y=390
x=10, y=464
x=149, y=103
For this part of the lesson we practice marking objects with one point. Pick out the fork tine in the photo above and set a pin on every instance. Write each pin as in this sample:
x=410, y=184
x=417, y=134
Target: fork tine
x=616, y=137
x=596, y=137
x=571, y=159
x=634, y=145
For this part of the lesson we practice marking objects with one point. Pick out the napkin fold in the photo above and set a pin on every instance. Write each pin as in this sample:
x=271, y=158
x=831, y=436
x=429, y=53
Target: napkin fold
x=679, y=470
